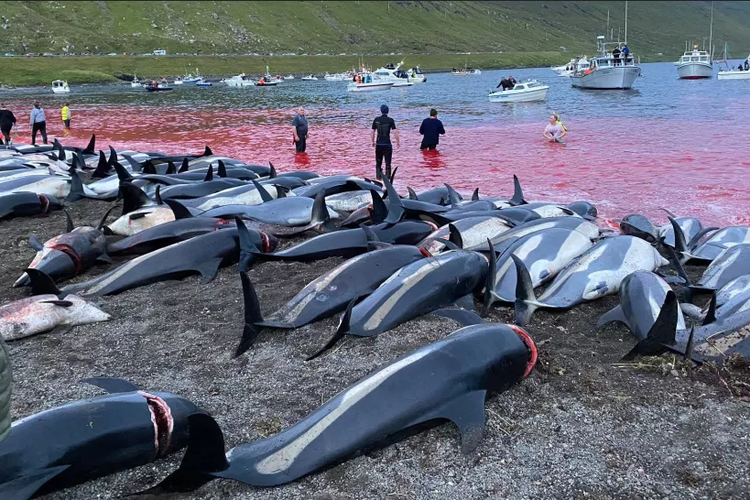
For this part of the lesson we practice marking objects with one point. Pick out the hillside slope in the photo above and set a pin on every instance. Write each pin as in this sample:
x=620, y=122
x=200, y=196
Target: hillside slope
x=363, y=27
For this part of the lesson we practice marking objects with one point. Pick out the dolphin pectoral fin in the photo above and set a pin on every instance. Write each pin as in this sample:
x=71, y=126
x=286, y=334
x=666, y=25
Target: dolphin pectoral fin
x=204, y=456
x=466, y=302
x=467, y=412
x=34, y=243
x=615, y=314
x=460, y=316
x=105, y=259
x=112, y=385
x=59, y=303
x=26, y=486
x=209, y=269
x=661, y=334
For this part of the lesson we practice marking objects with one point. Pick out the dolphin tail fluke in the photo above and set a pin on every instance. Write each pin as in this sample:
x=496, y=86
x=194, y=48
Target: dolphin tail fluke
x=91, y=147
x=42, y=284
x=661, y=334
x=204, y=455
x=76, y=187
x=489, y=284
x=248, y=249
x=526, y=302
x=180, y=211
x=340, y=332
x=517, y=193
x=185, y=166
x=27, y=485
x=252, y=316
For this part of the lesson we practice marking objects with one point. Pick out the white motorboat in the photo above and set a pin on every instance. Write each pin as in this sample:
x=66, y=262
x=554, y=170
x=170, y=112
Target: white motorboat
x=575, y=64
x=373, y=86
x=60, y=87
x=309, y=78
x=188, y=79
x=606, y=72
x=528, y=91
x=741, y=72
x=178, y=81
x=466, y=72
x=336, y=77
x=415, y=75
x=136, y=83
x=268, y=78
x=392, y=74
x=695, y=65
x=289, y=77
x=240, y=80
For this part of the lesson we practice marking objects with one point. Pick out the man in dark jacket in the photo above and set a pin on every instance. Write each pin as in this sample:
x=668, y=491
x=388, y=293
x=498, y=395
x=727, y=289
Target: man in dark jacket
x=381, y=128
x=431, y=129
x=7, y=120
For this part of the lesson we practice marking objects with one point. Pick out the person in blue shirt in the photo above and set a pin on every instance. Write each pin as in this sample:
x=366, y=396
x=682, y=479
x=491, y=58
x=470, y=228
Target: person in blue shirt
x=431, y=129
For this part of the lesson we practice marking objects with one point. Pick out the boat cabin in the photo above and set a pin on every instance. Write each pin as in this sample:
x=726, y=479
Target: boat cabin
x=695, y=56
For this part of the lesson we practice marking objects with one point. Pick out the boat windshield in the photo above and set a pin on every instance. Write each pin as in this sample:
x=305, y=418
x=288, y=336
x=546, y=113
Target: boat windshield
x=533, y=85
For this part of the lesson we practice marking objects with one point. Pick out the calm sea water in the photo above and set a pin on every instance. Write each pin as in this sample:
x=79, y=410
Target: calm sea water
x=680, y=145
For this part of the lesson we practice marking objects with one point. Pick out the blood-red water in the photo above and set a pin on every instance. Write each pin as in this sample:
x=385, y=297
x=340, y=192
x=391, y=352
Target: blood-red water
x=646, y=155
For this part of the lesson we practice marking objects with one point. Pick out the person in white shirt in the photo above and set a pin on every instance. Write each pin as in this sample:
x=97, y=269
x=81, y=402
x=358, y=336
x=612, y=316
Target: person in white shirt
x=555, y=130
x=38, y=123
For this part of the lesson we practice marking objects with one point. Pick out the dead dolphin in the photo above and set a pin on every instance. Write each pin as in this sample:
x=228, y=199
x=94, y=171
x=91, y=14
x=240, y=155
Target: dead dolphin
x=474, y=232
x=330, y=293
x=642, y=295
x=728, y=265
x=88, y=439
x=70, y=253
x=597, y=273
x=22, y=204
x=447, y=380
x=639, y=226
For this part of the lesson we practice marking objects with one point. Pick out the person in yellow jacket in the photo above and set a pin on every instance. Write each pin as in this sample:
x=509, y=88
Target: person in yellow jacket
x=66, y=115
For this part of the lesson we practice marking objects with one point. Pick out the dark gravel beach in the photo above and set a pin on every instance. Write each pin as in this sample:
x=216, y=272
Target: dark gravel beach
x=582, y=425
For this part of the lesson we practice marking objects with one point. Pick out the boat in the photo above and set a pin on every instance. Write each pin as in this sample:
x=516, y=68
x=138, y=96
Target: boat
x=309, y=78
x=575, y=64
x=157, y=88
x=268, y=78
x=60, y=87
x=190, y=79
x=731, y=73
x=178, y=81
x=136, y=83
x=336, y=77
x=697, y=64
x=373, y=86
x=605, y=72
x=528, y=91
x=392, y=74
x=240, y=80
x=289, y=77
x=415, y=75
x=266, y=83
x=204, y=84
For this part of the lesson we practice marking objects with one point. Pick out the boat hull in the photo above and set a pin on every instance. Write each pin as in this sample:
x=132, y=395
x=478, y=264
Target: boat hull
x=369, y=87
x=61, y=91
x=157, y=89
x=733, y=75
x=525, y=96
x=694, y=71
x=608, y=78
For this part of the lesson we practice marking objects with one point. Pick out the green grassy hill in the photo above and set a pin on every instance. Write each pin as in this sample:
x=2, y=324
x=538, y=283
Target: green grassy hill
x=363, y=27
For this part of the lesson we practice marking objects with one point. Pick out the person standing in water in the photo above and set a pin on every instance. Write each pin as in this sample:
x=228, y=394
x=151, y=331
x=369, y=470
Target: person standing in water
x=431, y=129
x=66, y=116
x=7, y=120
x=381, y=127
x=555, y=130
x=38, y=122
x=299, y=124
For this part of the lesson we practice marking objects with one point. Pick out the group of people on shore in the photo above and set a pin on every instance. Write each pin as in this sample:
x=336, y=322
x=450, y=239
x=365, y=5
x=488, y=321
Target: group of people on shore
x=37, y=122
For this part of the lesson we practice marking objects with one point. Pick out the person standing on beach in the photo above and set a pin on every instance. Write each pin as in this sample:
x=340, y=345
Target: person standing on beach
x=299, y=124
x=66, y=116
x=381, y=141
x=431, y=129
x=38, y=122
x=7, y=120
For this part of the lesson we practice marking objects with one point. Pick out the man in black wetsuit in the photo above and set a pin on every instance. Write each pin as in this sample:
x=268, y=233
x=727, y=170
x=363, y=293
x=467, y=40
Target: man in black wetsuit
x=7, y=120
x=381, y=127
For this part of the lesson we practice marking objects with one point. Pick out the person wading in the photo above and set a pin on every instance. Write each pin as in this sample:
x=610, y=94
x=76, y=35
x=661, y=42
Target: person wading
x=555, y=130
x=299, y=124
x=381, y=127
x=7, y=120
x=431, y=129
x=66, y=116
x=38, y=122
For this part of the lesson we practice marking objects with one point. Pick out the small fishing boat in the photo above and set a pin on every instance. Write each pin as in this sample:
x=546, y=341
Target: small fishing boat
x=309, y=78
x=336, y=77
x=157, y=87
x=60, y=87
x=178, y=81
x=135, y=83
x=289, y=77
x=266, y=83
x=731, y=73
x=240, y=80
x=190, y=79
x=369, y=87
x=697, y=64
x=528, y=91
x=415, y=75
x=606, y=72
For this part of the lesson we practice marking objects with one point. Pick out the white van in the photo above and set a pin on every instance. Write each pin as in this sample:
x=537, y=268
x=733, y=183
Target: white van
x=160, y=52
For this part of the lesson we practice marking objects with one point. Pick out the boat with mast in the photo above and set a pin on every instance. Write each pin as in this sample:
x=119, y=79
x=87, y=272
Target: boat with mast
x=696, y=64
x=729, y=73
x=607, y=72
